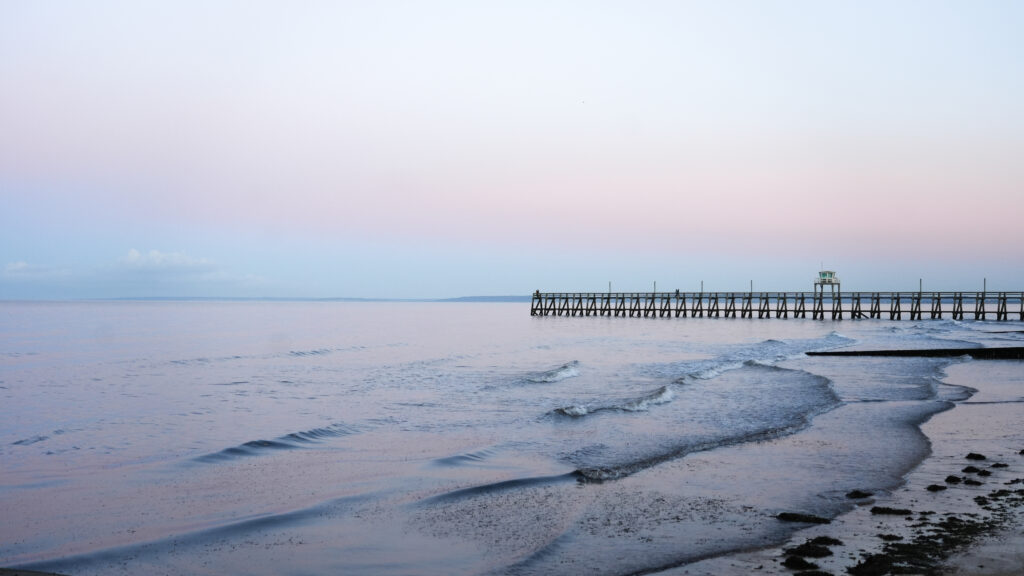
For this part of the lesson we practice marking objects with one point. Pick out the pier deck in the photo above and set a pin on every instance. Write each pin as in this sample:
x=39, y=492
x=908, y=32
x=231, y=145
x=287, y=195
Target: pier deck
x=818, y=305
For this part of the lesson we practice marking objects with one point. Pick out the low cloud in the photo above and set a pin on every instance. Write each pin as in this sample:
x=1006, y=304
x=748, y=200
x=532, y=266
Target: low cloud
x=154, y=260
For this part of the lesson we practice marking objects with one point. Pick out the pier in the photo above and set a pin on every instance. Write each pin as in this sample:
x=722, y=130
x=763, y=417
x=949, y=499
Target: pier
x=818, y=305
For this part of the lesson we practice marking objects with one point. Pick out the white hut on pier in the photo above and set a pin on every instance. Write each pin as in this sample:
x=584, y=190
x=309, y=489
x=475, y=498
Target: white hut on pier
x=827, y=278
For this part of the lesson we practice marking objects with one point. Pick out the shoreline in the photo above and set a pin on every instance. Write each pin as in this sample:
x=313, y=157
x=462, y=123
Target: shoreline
x=895, y=427
x=960, y=512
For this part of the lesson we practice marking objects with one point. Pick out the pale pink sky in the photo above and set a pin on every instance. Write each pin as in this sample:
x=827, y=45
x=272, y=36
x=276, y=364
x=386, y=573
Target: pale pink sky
x=446, y=148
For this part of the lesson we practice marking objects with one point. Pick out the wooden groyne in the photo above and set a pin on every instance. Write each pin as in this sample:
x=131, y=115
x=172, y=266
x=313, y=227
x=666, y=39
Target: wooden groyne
x=817, y=305
x=1000, y=353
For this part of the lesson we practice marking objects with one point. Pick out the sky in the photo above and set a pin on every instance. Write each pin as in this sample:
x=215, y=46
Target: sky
x=438, y=149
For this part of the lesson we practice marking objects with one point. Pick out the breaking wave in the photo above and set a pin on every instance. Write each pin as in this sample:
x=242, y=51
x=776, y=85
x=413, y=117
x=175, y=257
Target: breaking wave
x=766, y=353
x=568, y=370
x=662, y=395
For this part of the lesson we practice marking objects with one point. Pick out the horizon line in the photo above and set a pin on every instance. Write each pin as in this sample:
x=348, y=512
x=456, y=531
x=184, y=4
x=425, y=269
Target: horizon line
x=499, y=298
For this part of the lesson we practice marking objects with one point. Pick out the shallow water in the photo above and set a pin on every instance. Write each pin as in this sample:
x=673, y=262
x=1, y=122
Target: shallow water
x=303, y=438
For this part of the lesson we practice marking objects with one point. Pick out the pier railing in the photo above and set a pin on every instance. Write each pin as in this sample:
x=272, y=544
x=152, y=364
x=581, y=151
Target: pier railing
x=819, y=305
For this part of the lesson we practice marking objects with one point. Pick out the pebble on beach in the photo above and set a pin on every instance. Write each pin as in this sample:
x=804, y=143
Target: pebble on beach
x=798, y=517
x=798, y=563
x=809, y=550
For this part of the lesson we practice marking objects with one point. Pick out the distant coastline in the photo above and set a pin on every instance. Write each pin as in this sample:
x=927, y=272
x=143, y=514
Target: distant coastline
x=506, y=298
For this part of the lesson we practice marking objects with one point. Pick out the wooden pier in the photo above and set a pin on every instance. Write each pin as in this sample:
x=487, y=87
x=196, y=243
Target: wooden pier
x=818, y=305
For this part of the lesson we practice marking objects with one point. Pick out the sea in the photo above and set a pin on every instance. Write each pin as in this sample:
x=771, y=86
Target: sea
x=392, y=438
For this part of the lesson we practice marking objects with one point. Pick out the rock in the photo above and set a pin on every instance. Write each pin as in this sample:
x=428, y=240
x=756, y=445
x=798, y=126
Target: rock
x=798, y=563
x=858, y=494
x=984, y=472
x=886, y=511
x=798, y=517
x=935, y=488
x=953, y=479
x=809, y=550
x=975, y=456
x=924, y=552
x=826, y=541
x=875, y=565
x=970, y=470
x=1000, y=465
x=972, y=482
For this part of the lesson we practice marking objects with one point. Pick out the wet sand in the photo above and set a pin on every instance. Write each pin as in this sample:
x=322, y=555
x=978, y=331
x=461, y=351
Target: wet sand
x=955, y=514
x=1000, y=555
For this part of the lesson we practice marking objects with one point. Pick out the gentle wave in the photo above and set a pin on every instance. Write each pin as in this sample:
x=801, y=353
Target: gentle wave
x=598, y=474
x=290, y=354
x=318, y=352
x=36, y=439
x=807, y=395
x=475, y=457
x=501, y=486
x=180, y=536
x=30, y=441
x=568, y=370
x=286, y=442
x=662, y=395
x=767, y=353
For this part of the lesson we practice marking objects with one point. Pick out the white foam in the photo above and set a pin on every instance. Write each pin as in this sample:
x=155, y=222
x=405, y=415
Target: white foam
x=569, y=370
x=661, y=396
x=575, y=411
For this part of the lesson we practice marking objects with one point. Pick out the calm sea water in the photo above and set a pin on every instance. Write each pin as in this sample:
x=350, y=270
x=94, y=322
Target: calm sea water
x=366, y=438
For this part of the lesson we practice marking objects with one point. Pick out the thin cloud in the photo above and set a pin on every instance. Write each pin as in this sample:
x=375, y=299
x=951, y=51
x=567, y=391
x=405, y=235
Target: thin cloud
x=156, y=272
x=157, y=261
x=22, y=270
x=134, y=274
